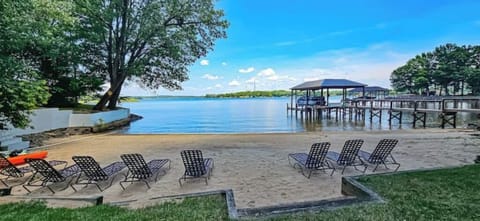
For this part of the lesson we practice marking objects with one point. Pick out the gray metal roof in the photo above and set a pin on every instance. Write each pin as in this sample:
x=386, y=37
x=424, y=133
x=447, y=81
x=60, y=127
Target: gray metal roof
x=368, y=89
x=328, y=83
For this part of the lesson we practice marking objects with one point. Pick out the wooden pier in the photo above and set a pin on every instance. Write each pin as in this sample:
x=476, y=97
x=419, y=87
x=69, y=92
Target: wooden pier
x=446, y=107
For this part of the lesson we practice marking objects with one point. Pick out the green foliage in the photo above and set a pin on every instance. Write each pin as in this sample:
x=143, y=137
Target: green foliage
x=43, y=35
x=67, y=90
x=204, y=208
x=447, y=69
x=20, y=92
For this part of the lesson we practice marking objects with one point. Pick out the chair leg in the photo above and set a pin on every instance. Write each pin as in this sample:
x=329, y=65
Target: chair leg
x=146, y=184
x=180, y=181
x=25, y=187
x=122, y=185
x=333, y=171
x=385, y=165
x=310, y=174
x=344, y=167
x=49, y=188
x=99, y=188
x=374, y=169
x=68, y=185
x=3, y=182
x=365, y=170
x=397, y=167
x=72, y=185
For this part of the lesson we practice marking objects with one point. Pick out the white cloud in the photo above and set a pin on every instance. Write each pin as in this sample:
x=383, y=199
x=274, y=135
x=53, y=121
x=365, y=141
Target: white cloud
x=224, y=63
x=246, y=70
x=266, y=72
x=251, y=80
x=204, y=62
x=218, y=86
x=273, y=78
x=281, y=78
x=234, y=83
x=311, y=79
x=210, y=77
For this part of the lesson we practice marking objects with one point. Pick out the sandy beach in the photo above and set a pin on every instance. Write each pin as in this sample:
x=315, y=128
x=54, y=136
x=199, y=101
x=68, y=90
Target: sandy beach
x=255, y=166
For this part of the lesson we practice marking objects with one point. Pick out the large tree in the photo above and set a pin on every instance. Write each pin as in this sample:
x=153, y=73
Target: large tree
x=152, y=42
x=21, y=88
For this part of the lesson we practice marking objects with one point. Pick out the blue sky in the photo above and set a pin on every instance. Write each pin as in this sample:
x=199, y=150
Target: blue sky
x=277, y=44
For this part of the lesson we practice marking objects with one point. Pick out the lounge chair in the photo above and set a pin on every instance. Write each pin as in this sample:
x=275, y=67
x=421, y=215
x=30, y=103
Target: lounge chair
x=315, y=160
x=139, y=170
x=348, y=156
x=94, y=173
x=195, y=166
x=49, y=174
x=8, y=170
x=381, y=154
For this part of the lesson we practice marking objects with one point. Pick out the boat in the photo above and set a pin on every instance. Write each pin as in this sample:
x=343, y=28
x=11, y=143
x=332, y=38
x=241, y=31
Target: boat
x=20, y=159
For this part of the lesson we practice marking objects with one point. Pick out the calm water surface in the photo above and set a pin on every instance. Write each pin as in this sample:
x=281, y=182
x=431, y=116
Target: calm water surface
x=178, y=115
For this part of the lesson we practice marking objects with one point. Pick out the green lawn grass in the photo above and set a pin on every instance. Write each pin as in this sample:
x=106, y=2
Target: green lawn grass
x=447, y=194
x=204, y=208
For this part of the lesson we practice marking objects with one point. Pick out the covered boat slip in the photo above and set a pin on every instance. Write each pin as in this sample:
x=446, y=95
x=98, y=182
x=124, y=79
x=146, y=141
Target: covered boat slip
x=315, y=97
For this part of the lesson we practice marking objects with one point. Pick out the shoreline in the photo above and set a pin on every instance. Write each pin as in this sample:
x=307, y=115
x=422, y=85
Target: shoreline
x=255, y=166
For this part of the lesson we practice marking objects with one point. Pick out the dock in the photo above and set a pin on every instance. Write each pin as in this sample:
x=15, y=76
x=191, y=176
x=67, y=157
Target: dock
x=446, y=107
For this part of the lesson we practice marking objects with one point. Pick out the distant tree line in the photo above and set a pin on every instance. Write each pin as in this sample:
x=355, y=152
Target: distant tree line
x=245, y=94
x=448, y=69
x=274, y=93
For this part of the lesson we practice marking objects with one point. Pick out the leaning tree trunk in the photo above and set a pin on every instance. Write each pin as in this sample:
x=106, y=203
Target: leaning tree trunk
x=108, y=95
x=112, y=102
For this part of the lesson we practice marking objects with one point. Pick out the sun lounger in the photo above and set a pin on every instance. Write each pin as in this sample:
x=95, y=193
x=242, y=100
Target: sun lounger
x=315, y=160
x=196, y=166
x=348, y=156
x=94, y=173
x=139, y=170
x=8, y=170
x=48, y=174
x=381, y=155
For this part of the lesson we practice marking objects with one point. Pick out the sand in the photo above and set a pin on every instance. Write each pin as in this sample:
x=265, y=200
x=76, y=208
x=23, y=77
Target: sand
x=255, y=166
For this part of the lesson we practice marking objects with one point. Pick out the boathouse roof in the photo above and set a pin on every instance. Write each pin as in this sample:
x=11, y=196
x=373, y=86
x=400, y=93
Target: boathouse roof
x=368, y=89
x=328, y=83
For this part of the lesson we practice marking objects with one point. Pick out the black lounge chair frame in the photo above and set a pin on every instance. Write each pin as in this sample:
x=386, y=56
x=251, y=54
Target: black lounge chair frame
x=313, y=161
x=8, y=170
x=94, y=173
x=196, y=166
x=348, y=156
x=381, y=154
x=48, y=174
x=140, y=171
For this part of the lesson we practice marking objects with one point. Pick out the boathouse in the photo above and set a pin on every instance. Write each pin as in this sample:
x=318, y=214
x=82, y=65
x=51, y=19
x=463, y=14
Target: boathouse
x=312, y=97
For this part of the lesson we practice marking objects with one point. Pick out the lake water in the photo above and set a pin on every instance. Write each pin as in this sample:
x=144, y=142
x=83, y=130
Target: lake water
x=179, y=115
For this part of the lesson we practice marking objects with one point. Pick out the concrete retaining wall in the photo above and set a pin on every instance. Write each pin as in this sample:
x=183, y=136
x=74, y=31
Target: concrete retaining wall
x=90, y=120
x=46, y=119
